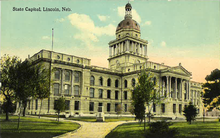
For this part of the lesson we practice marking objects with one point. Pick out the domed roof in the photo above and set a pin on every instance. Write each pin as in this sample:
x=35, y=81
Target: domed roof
x=128, y=5
x=128, y=24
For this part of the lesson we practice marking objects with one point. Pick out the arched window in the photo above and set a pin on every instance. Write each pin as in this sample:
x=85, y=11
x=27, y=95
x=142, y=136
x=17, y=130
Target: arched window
x=109, y=82
x=67, y=76
x=100, y=81
x=116, y=83
x=57, y=74
x=133, y=82
x=76, y=74
x=92, y=80
x=125, y=83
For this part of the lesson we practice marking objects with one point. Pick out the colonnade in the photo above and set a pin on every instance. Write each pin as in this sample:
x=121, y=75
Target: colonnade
x=172, y=87
x=128, y=46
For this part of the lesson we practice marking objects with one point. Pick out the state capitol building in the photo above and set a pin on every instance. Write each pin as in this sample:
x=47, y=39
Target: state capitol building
x=85, y=87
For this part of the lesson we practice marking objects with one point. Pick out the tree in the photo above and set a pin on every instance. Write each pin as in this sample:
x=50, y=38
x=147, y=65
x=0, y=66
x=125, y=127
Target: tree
x=145, y=93
x=211, y=96
x=42, y=83
x=60, y=106
x=7, y=72
x=190, y=112
x=119, y=109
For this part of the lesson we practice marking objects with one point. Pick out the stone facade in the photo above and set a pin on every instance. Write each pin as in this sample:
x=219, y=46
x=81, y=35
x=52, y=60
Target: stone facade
x=85, y=87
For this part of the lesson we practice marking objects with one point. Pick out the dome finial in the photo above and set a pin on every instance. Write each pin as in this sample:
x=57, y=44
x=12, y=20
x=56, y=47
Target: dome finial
x=128, y=8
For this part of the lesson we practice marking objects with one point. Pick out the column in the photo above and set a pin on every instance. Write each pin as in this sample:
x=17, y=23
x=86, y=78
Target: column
x=170, y=86
x=119, y=48
x=162, y=86
x=110, y=54
x=181, y=84
x=62, y=78
x=175, y=88
x=113, y=50
x=72, y=78
x=195, y=97
x=145, y=50
x=122, y=48
x=189, y=89
x=192, y=97
x=167, y=87
x=127, y=45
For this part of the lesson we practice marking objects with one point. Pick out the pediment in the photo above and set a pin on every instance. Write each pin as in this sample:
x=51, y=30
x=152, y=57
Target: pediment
x=180, y=70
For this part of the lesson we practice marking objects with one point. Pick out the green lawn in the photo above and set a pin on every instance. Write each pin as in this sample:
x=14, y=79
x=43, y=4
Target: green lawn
x=34, y=127
x=195, y=130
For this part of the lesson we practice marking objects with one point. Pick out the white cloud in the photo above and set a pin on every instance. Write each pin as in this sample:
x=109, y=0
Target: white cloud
x=135, y=15
x=89, y=32
x=169, y=0
x=103, y=18
x=163, y=44
x=60, y=20
x=147, y=23
x=45, y=37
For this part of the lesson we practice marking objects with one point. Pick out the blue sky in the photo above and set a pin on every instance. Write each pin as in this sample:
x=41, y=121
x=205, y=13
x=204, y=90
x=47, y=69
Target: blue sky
x=183, y=31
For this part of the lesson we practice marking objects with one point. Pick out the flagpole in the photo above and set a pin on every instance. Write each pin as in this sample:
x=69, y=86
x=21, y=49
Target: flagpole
x=52, y=38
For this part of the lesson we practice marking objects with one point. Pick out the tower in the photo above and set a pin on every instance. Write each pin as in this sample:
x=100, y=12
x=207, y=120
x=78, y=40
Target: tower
x=128, y=48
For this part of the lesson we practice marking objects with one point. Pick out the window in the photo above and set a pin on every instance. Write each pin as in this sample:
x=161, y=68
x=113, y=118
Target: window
x=76, y=90
x=163, y=108
x=116, y=83
x=100, y=81
x=126, y=83
x=109, y=94
x=92, y=92
x=92, y=80
x=126, y=107
x=174, y=108
x=67, y=102
x=66, y=89
x=58, y=57
x=100, y=104
x=154, y=107
x=57, y=75
x=116, y=106
x=56, y=89
x=125, y=95
x=91, y=106
x=36, y=104
x=109, y=82
x=68, y=59
x=133, y=82
x=108, y=107
x=76, y=105
x=116, y=95
x=100, y=93
x=76, y=74
x=180, y=108
x=155, y=80
x=77, y=61
x=67, y=76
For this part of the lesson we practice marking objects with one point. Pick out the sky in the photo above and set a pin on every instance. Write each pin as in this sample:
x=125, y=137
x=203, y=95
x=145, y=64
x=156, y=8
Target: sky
x=178, y=31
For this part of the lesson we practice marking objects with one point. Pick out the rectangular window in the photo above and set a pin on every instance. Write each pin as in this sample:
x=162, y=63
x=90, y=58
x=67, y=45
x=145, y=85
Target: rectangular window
x=76, y=75
x=126, y=107
x=56, y=89
x=57, y=75
x=174, y=108
x=91, y=106
x=67, y=76
x=116, y=95
x=180, y=108
x=116, y=105
x=100, y=93
x=66, y=90
x=108, y=107
x=92, y=92
x=76, y=105
x=109, y=94
x=36, y=104
x=125, y=95
x=55, y=104
x=163, y=108
x=76, y=90
x=100, y=104
x=67, y=102
x=154, y=107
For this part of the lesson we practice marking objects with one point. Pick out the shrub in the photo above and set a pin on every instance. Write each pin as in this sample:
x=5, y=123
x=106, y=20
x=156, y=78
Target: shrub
x=161, y=130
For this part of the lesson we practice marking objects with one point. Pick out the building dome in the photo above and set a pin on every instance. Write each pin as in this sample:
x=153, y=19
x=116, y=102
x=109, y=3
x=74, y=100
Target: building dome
x=128, y=6
x=128, y=24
